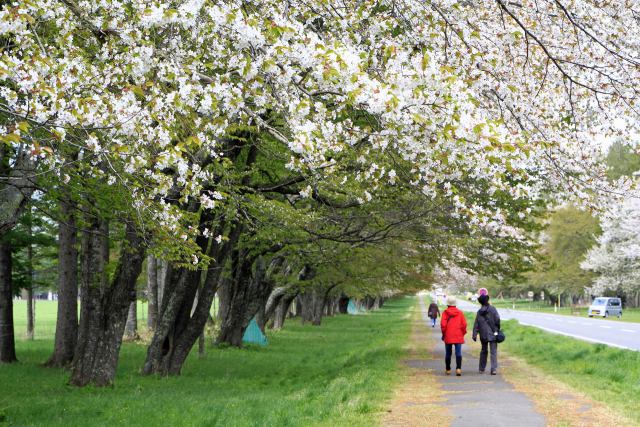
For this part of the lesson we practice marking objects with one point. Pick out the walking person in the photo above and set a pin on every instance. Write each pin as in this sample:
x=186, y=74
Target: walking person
x=487, y=325
x=454, y=328
x=433, y=313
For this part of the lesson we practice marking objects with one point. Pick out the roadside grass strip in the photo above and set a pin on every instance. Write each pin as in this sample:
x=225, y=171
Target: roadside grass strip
x=561, y=404
x=605, y=374
x=341, y=373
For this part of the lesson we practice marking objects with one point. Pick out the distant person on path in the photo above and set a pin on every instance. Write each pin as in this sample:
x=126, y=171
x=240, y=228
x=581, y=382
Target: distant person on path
x=454, y=328
x=434, y=312
x=487, y=324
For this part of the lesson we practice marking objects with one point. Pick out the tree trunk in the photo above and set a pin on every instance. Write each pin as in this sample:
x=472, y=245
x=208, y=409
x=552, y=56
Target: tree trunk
x=104, y=307
x=370, y=302
x=314, y=299
x=15, y=193
x=30, y=301
x=30, y=313
x=180, y=292
x=333, y=306
x=67, y=316
x=343, y=304
x=152, y=292
x=201, y=346
x=163, y=268
x=7, y=340
x=269, y=297
x=243, y=296
x=131, y=326
x=179, y=324
x=270, y=307
x=17, y=190
x=282, y=310
x=298, y=306
x=312, y=306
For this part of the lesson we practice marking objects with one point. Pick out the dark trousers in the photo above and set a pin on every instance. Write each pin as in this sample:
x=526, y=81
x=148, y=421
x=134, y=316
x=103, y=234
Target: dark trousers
x=486, y=346
x=447, y=355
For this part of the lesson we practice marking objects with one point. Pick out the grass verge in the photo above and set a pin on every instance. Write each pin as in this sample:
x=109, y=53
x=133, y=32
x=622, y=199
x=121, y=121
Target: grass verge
x=604, y=374
x=45, y=318
x=341, y=373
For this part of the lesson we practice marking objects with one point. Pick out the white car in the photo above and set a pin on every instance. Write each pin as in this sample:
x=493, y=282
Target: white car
x=605, y=307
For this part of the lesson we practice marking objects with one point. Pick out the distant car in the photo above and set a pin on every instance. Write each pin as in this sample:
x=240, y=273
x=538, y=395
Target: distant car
x=605, y=307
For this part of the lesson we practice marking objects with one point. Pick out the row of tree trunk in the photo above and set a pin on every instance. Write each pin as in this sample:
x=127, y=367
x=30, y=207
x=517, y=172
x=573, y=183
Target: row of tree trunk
x=179, y=298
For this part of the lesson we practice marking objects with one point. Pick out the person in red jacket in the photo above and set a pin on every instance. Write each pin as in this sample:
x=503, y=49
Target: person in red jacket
x=454, y=328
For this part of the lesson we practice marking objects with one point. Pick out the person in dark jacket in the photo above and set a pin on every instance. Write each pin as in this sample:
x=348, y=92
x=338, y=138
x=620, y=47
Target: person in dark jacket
x=454, y=328
x=433, y=313
x=487, y=325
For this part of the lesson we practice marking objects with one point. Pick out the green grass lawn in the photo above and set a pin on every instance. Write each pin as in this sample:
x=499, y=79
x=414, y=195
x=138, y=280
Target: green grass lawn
x=628, y=314
x=45, y=323
x=337, y=374
x=604, y=373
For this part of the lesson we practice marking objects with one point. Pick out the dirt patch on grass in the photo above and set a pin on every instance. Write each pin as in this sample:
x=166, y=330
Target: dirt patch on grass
x=417, y=399
x=559, y=403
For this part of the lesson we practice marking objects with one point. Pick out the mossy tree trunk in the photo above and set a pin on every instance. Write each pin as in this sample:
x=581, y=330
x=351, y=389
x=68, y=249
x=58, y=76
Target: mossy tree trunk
x=7, y=339
x=241, y=297
x=104, y=306
x=182, y=319
x=67, y=316
x=131, y=325
x=16, y=188
x=312, y=306
x=31, y=308
x=273, y=302
x=152, y=292
x=282, y=310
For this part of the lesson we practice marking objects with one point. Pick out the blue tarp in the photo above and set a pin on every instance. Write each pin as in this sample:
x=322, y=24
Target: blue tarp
x=351, y=308
x=253, y=334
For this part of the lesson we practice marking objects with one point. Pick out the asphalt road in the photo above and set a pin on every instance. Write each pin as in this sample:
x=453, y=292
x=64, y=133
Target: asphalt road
x=613, y=333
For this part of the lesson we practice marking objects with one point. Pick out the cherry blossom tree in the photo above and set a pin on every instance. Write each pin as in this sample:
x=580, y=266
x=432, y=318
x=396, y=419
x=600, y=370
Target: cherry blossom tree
x=488, y=102
x=461, y=89
x=616, y=256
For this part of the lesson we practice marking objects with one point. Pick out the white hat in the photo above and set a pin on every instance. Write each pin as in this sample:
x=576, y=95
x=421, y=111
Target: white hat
x=451, y=300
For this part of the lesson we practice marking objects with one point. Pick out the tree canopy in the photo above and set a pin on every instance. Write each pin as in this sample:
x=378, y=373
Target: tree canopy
x=269, y=150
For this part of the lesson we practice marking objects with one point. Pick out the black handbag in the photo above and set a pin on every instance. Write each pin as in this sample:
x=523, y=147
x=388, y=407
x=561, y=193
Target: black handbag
x=500, y=336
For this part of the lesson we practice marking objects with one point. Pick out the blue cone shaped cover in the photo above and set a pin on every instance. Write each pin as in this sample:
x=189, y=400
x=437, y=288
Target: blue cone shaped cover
x=351, y=308
x=253, y=334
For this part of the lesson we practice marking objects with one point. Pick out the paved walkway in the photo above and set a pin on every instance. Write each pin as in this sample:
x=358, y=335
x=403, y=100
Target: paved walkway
x=476, y=399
